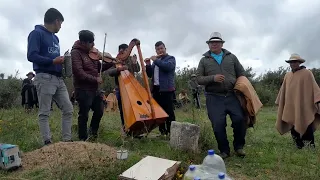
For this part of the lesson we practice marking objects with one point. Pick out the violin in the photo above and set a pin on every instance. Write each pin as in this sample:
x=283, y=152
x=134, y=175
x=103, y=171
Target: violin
x=95, y=54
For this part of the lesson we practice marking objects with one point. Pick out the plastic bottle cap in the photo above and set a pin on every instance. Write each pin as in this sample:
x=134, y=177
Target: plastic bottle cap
x=192, y=167
x=196, y=178
x=221, y=175
x=211, y=152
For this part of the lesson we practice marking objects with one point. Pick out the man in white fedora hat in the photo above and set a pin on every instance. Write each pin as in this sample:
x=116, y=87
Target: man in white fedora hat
x=298, y=103
x=218, y=71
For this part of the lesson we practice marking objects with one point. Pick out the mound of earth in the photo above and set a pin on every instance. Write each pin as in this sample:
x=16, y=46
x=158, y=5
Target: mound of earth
x=68, y=154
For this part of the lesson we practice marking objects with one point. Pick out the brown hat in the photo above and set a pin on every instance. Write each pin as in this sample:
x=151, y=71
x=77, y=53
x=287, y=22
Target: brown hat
x=215, y=37
x=30, y=73
x=295, y=57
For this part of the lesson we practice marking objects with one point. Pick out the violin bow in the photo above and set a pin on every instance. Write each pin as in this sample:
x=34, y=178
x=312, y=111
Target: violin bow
x=104, y=47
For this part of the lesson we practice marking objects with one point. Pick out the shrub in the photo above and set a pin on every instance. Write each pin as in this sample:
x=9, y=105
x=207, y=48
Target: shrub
x=10, y=91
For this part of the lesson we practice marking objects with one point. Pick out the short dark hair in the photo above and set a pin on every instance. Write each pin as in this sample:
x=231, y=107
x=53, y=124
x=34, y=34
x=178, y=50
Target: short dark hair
x=86, y=36
x=159, y=43
x=123, y=46
x=51, y=15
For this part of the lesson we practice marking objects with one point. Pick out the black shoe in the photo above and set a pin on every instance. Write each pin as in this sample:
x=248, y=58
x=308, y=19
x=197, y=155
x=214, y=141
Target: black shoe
x=240, y=153
x=47, y=142
x=224, y=155
x=92, y=138
x=299, y=143
x=309, y=144
x=68, y=141
x=312, y=145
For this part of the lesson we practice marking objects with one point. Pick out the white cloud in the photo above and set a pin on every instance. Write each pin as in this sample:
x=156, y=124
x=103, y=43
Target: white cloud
x=262, y=34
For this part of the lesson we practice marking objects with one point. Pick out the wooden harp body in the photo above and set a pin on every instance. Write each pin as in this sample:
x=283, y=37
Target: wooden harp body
x=141, y=112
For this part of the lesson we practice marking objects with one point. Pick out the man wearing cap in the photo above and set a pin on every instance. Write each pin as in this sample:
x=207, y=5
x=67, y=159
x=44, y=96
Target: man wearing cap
x=29, y=92
x=195, y=88
x=298, y=103
x=218, y=71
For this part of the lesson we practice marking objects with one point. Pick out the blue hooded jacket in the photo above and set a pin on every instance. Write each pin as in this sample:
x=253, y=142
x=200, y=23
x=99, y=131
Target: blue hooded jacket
x=43, y=48
x=167, y=68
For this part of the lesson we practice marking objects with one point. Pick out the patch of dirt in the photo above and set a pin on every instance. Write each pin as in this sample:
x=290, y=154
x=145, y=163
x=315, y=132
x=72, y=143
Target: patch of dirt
x=68, y=154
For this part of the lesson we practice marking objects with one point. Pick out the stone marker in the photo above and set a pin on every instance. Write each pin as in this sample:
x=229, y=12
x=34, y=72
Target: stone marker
x=184, y=136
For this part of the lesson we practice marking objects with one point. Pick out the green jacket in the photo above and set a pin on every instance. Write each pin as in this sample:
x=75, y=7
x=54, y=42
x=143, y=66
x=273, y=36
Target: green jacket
x=193, y=86
x=132, y=68
x=230, y=67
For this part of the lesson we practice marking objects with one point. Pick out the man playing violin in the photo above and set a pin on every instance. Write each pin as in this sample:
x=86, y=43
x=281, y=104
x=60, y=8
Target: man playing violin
x=132, y=66
x=86, y=79
x=162, y=72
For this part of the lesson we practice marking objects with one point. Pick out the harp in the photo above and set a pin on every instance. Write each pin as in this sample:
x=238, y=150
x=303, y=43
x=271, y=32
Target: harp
x=141, y=112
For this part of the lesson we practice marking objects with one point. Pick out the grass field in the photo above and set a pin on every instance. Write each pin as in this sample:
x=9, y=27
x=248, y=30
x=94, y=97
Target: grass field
x=269, y=155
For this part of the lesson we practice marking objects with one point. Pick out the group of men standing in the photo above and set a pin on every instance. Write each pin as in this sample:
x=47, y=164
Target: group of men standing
x=218, y=71
x=44, y=53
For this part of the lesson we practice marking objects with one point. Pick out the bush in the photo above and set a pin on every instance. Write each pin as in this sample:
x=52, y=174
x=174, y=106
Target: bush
x=266, y=85
x=10, y=92
x=267, y=94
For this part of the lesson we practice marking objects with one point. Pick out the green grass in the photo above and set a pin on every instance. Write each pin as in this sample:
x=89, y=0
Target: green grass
x=269, y=155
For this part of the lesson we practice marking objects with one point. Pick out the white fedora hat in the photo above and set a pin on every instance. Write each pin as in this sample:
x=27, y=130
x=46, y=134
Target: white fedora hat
x=295, y=57
x=215, y=37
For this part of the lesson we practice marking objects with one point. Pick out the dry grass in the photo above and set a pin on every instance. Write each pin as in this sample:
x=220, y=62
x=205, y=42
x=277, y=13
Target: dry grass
x=69, y=154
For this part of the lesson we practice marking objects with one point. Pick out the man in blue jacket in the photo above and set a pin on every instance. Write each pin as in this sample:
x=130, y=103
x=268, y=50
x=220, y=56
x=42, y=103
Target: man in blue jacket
x=162, y=72
x=44, y=53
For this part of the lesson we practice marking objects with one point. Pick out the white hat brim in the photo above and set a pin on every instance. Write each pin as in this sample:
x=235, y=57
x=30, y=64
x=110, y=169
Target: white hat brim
x=215, y=40
x=299, y=60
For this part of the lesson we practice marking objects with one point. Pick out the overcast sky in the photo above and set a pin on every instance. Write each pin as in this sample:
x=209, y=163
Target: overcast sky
x=262, y=34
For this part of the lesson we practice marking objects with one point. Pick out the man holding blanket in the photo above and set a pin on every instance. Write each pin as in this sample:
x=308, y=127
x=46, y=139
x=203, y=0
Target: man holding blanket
x=218, y=71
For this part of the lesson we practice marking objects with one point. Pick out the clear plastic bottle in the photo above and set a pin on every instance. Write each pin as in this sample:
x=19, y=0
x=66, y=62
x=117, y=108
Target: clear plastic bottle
x=191, y=173
x=214, y=163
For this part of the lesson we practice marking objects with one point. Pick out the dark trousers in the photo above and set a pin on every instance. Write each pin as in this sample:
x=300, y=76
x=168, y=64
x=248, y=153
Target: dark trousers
x=120, y=106
x=196, y=99
x=307, y=136
x=89, y=100
x=165, y=100
x=218, y=107
x=30, y=98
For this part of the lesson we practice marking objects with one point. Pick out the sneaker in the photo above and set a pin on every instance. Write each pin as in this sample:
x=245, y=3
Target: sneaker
x=240, y=153
x=92, y=138
x=224, y=155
